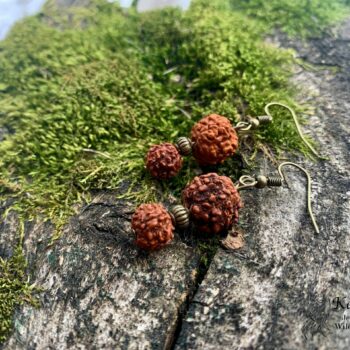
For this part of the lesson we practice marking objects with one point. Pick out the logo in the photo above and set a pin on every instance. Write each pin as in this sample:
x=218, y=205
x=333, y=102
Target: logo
x=341, y=305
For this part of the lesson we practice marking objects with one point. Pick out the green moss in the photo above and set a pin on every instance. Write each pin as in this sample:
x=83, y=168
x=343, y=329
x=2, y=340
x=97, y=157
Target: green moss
x=87, y=99
x=14, y=290
x=301, y=18
x=207, y=250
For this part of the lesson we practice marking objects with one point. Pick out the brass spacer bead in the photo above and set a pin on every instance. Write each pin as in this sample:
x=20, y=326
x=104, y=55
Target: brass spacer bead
x=254, y=122
x=181, y=216
x=264, y=119
x=274, y=181
x=262, y=181
x=184, y=145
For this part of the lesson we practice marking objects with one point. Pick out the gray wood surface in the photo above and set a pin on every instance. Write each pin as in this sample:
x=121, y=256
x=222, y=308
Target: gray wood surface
x=100, y=291
x=278, y=291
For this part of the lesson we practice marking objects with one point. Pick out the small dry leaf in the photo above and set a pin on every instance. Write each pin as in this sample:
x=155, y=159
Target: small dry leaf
x=234, y=240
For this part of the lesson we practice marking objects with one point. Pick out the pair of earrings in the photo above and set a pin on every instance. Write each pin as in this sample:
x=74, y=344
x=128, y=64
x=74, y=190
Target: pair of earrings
x=211, y=202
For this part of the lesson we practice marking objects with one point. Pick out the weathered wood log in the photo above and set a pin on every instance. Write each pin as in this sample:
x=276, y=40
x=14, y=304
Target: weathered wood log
x=280, y=291
x=99, y=290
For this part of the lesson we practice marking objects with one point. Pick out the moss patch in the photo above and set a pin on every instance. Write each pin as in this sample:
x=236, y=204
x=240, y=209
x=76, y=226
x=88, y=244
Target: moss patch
x=300, y=18
x=84, y=92
x=84, y=102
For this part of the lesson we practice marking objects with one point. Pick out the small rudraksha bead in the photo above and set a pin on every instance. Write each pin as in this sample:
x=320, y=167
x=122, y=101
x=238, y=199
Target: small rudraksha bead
x=163, y=161
x=153, y=226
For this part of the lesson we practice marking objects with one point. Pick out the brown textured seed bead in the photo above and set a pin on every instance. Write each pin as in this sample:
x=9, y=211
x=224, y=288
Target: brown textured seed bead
x=163, y=161
x=153, y=226
x=214, y=139
x=213, y=202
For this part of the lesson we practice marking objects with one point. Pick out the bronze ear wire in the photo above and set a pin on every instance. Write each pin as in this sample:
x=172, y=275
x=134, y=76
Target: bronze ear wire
x=296, y=122
x=252, y=123
x=261, y=181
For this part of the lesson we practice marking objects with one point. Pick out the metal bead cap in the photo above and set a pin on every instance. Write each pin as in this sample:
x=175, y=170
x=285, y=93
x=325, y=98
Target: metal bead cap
x=262, y=181
x=184, y=145
x=181, y=216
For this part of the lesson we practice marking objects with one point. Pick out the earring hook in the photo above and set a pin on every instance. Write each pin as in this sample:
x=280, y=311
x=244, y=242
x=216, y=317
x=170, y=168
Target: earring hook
x=308, y=189
x=295, y=119
x=261, y=181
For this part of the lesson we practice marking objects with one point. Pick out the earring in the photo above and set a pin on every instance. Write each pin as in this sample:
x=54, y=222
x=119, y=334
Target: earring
x=213, y=139
x=211, y=202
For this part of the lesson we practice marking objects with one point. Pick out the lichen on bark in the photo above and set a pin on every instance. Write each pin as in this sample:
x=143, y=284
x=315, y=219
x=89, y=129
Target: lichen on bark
x=14, y=289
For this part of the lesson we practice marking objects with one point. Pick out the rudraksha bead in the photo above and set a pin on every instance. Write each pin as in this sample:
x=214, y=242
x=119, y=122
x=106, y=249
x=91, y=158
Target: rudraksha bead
x=163, y=161
x=213, y=202
x=153, y=226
